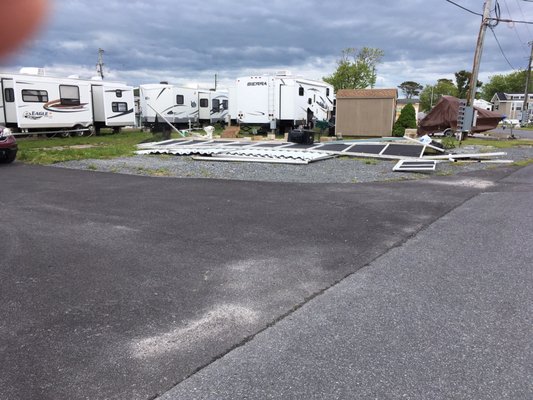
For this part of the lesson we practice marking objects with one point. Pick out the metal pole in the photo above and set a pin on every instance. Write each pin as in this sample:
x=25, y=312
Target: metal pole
x=525, y=114
x=471, y=96
x=100, y=63
x=479, y=51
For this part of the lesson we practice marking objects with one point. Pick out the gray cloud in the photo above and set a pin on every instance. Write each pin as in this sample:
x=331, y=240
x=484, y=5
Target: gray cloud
x=187, y=41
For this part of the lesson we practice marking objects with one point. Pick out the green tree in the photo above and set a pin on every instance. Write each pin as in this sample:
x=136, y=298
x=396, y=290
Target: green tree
x=432, y=93
x=462, y=81
x=356, y=69
x=515, y=82
x=410, y=89
x=406, y=120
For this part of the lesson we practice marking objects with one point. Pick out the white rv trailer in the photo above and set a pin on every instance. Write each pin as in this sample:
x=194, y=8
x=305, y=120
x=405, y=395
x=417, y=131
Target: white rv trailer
x=280, y=101
x=113, y=105
x=35, y=103
x=181, y=106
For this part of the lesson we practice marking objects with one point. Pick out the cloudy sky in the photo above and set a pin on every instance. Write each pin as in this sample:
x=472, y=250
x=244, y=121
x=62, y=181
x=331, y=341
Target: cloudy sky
x=189, y=41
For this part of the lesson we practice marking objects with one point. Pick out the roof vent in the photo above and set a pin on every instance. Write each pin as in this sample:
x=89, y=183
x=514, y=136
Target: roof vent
x=163, y=83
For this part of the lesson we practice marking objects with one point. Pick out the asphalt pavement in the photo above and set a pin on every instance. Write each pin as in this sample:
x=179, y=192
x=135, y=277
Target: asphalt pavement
x=128, y=287
x=446, y=315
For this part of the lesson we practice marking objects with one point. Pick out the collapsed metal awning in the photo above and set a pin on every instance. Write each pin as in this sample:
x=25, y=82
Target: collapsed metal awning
x=294, y=153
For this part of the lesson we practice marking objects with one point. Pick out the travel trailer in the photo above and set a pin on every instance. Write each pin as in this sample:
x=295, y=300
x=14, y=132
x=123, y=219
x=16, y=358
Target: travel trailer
x=113, y=105
x=181, y=106
x=33, y=103
x=281, y=101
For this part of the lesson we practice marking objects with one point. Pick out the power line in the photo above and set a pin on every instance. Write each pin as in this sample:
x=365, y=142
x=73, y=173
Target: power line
x=501, y=49
x=464, y=8
x=497, y=19
x=512, y=26
x=523, y=15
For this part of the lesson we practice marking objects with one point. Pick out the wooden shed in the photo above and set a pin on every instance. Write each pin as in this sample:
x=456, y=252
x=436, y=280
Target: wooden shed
x=365, y=112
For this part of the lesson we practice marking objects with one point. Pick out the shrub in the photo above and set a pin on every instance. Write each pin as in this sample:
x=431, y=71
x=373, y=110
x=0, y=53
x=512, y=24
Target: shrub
x=406, y=120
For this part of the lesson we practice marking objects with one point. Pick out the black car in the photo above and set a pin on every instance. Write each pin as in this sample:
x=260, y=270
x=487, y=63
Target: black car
x=8, y=146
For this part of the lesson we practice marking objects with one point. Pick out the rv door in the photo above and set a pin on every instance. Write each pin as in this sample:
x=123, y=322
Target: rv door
x=204, y=104
x=8, y=112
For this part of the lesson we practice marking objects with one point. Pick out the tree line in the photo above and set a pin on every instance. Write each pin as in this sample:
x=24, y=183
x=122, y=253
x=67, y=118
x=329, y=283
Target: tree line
x=357, y=69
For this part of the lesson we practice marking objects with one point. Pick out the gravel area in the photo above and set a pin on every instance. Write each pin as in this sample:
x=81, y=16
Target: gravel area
x=338, y=170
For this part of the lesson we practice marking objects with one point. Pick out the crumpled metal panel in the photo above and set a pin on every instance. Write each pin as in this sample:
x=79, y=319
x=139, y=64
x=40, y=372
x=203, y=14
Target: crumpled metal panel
x=263, y=153
x=283, y=150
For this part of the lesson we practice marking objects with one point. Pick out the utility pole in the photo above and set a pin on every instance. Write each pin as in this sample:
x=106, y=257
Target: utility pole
x=525, y=113
x=471, y=95
x=100, y=63
x=477, y=56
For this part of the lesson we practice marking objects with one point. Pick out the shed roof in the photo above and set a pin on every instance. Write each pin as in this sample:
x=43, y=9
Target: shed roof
x=367, y=94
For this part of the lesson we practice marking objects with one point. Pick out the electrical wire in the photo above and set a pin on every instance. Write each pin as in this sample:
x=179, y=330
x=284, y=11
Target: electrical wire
x=523, y=15
x=497, y=20
x=464, y=8
x=522, y=42
x=497, y=12
x=501, y=49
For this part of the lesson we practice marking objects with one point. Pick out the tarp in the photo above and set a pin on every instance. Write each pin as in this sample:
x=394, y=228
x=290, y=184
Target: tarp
x=444, y=116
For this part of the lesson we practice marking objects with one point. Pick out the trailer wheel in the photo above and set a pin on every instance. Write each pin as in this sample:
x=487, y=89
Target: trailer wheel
x=79, y=129
x=64, y=134
x=448, y=132
x=92, y=131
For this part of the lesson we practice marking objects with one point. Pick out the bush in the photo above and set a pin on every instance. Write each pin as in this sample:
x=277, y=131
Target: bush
x=406, y=120
x=449, y=142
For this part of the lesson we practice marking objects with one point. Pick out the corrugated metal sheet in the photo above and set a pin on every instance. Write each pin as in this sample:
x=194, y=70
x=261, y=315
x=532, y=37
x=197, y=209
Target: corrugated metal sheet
x=282, y=150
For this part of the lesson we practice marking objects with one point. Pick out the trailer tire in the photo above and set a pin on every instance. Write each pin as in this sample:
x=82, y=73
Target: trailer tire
x=80, y=133
x=448, y=132
x=64, y=134
x=93, y=131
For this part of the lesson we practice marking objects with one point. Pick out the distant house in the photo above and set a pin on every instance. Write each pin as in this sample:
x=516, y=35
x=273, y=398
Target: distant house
x=401, y=103
x=510, y=104
x=365, y=112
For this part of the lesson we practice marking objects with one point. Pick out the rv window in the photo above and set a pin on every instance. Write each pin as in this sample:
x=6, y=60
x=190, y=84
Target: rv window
x=204, y=103
x=327, y=92
x=118, y=93
x=9, y=95
x=180, y=99
x=34, y=96
x=309, y=101
x=70, y=95
x=301, y=91
x=119, y=107
x=224, y=104
x=216, y=105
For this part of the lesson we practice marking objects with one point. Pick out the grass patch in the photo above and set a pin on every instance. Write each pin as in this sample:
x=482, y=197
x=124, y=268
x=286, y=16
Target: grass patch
x=369, y=161
x=154, y=172
x=500, y=144
x=55, y=150
x=523, y=163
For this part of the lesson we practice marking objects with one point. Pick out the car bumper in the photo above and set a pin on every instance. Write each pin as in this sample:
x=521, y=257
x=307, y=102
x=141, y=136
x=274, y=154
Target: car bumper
x=8, y=144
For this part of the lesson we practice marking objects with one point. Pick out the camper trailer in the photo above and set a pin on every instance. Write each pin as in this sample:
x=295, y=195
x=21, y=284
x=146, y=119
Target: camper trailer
x=280, y=101
x=113, y=105
x=181, y=106
x=32, y=103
